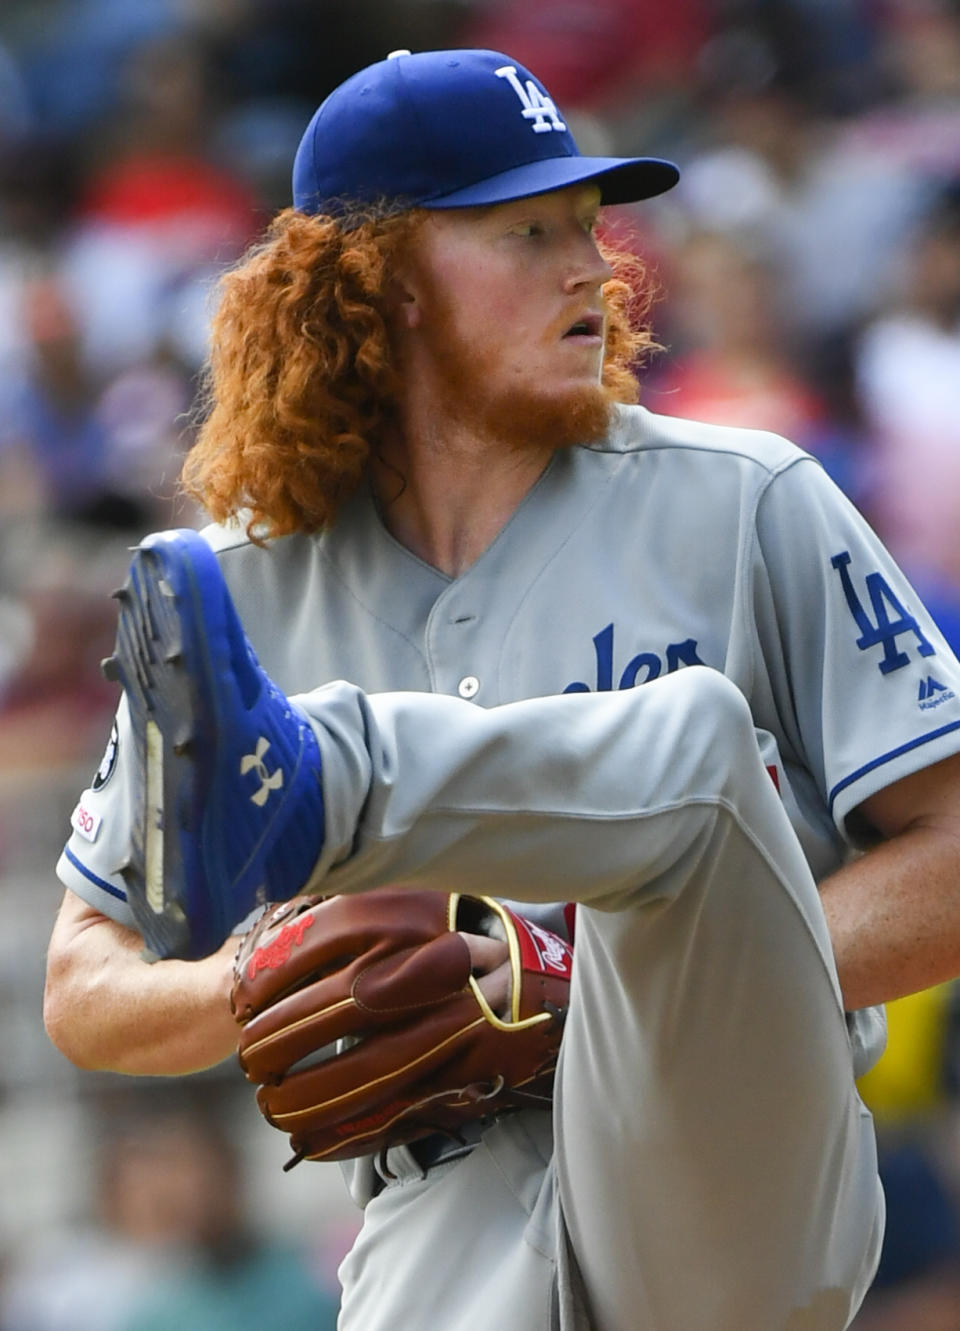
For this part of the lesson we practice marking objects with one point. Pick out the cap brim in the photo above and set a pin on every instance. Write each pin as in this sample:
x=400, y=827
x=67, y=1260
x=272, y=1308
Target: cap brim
x=621, y=179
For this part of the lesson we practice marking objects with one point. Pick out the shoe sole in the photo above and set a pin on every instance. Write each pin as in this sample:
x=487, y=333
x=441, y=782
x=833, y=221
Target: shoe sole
x=172, y=657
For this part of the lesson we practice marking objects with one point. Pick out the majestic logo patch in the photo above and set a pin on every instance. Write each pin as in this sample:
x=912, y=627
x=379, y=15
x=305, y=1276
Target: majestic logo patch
x=268, y=780
x=883, y=630
x=538, y=108
x=932, y=693
x=108, y=762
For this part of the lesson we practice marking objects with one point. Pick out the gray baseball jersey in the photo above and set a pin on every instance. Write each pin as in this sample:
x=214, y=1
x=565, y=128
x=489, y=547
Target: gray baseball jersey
x=673, y=545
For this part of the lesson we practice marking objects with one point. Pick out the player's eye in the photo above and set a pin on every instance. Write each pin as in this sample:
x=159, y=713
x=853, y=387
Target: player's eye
x=528, y=229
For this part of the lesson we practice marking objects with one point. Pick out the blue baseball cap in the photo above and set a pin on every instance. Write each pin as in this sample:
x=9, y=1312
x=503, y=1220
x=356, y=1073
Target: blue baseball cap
x=451, y=129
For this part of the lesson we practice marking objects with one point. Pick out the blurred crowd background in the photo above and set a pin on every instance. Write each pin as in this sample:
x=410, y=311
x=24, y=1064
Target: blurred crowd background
x=809, y=271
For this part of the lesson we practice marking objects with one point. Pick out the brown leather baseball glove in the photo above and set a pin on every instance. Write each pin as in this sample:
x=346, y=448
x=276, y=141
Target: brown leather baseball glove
x=364, y=1027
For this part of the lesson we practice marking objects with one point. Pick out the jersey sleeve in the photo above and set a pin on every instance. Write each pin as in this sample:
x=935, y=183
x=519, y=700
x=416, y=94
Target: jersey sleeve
x=99, y=843
x=863, y=679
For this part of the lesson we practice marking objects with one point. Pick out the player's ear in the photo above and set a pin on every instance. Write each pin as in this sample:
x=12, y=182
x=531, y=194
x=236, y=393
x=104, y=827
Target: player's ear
x=411, y=282
x=403, y=304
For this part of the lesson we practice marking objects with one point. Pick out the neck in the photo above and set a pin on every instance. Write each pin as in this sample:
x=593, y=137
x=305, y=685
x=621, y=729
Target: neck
x=446, y=495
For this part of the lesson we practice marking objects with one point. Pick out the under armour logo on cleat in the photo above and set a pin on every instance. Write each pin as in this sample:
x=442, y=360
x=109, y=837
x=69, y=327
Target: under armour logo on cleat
x=268, y=780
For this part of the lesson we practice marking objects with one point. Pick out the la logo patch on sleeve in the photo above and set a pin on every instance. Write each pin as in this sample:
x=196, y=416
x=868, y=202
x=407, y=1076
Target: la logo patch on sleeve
x=108, y=762
x=892, y=620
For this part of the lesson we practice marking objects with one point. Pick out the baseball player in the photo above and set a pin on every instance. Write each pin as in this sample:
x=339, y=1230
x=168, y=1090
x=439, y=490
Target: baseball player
x=449, y=550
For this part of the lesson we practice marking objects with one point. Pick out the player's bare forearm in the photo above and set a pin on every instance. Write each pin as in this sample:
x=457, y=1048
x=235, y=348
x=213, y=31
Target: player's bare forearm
x=893, y=914
x=106, y=1009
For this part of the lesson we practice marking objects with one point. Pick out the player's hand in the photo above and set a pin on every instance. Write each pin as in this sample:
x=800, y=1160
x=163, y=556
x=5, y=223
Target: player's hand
x=490, y=960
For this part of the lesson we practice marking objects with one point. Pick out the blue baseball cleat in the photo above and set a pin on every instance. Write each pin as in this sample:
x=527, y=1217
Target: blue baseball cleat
x=228, y=806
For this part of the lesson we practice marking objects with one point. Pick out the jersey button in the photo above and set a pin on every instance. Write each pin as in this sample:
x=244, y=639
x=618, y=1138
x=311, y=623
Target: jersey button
x=469, y=686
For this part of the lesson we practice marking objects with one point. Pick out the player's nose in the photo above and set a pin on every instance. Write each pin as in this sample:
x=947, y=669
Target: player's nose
x=586, y=265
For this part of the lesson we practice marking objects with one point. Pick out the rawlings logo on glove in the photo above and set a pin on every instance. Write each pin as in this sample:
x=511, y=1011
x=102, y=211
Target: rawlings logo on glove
x=552, y=951
x=277, y=952
x=364, y=1027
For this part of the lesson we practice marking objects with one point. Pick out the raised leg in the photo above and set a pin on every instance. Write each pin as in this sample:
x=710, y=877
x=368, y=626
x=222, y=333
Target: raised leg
x=715, y=1167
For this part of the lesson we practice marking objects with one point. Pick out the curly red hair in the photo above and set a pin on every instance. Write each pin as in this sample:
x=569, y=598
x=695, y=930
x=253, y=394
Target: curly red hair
x=301, y=381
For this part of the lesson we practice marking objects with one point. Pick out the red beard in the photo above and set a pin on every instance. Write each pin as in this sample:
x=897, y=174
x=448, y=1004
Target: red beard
x=523, y=419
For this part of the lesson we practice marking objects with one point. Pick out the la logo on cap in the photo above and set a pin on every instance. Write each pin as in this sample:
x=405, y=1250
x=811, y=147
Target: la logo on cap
x=536, y=106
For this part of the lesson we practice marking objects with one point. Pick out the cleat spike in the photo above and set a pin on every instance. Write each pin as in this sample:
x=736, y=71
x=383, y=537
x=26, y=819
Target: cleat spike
x=110, y=667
